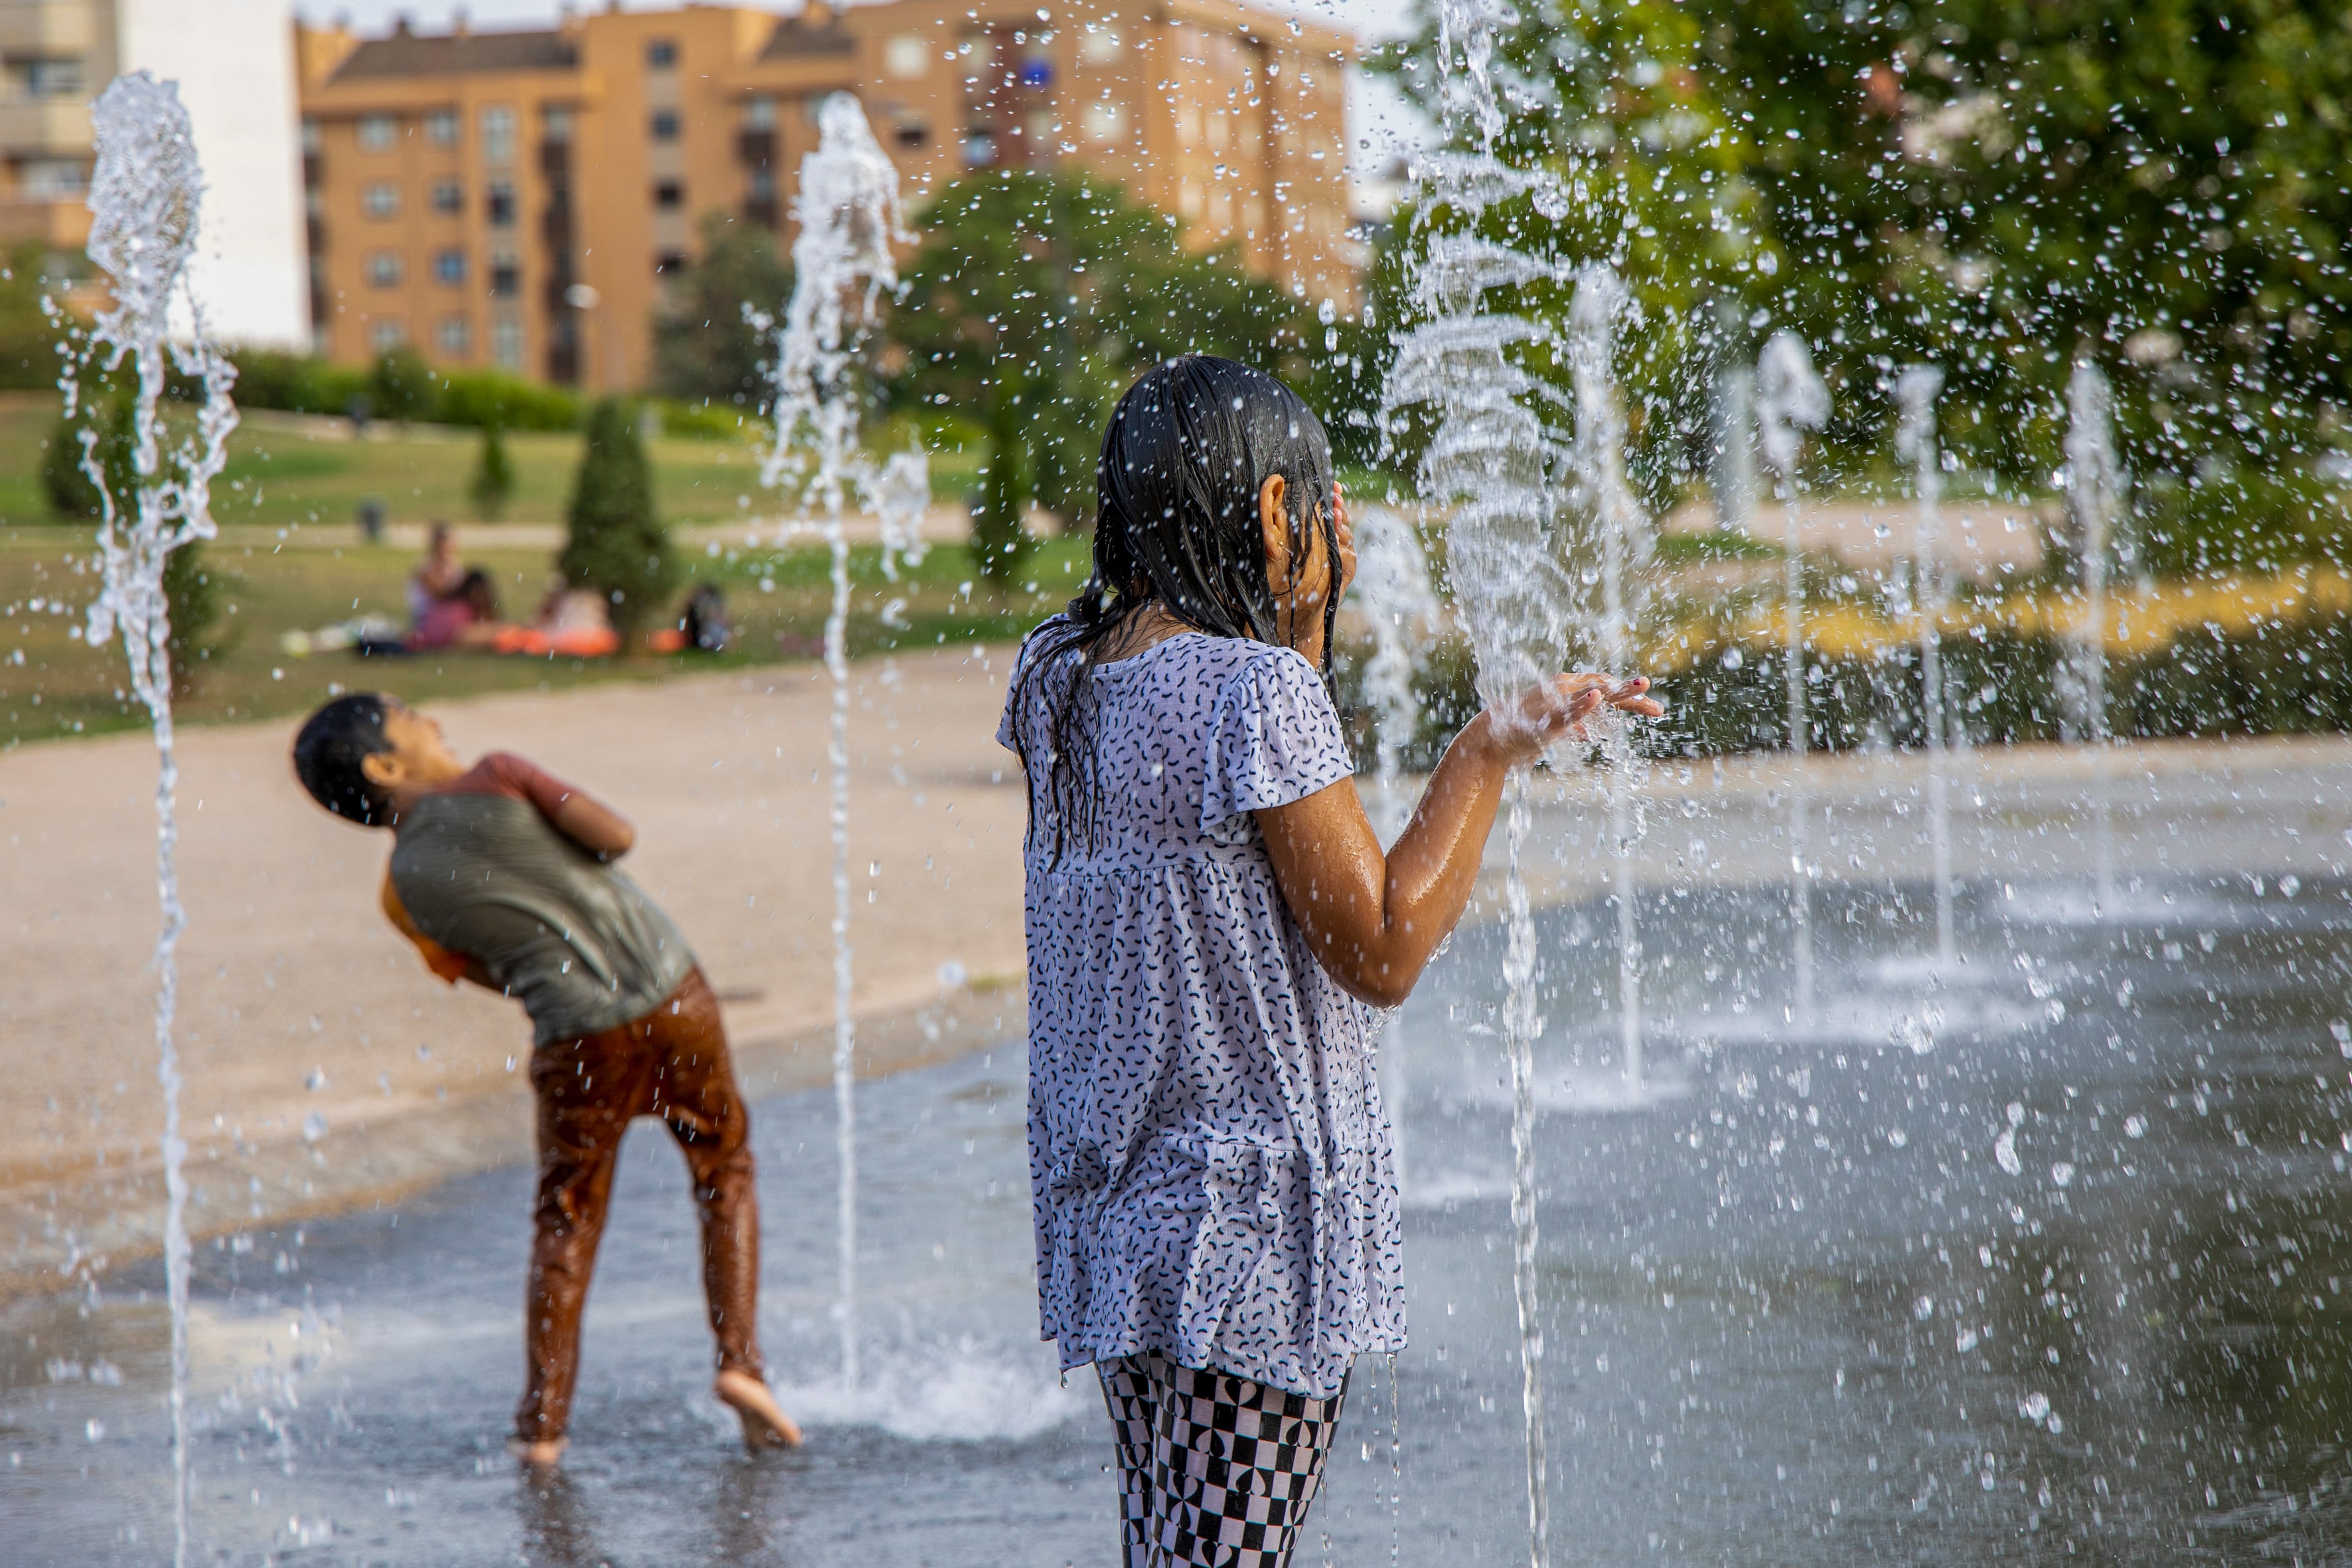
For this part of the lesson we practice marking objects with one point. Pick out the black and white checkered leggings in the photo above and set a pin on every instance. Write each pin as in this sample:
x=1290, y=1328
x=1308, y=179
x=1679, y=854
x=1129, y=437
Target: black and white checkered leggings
x=1215, y=1471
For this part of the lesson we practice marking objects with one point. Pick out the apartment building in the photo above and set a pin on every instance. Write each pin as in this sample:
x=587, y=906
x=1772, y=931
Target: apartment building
x=235, y=71
x=520, y=199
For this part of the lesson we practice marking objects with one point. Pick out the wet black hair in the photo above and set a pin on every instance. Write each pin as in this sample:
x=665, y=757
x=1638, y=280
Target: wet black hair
x=1187, y=451
x=330, y=748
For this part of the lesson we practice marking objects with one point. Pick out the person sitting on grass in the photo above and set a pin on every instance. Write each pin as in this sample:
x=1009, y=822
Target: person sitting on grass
x=626, y=1025
x=1214, y=936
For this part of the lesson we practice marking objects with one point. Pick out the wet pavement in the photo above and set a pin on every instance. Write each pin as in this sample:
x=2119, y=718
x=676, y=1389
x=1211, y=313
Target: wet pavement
x=2038, y=1257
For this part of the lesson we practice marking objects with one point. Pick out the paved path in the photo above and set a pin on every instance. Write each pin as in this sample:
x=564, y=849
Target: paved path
x=298, y=1002
x=290, y=977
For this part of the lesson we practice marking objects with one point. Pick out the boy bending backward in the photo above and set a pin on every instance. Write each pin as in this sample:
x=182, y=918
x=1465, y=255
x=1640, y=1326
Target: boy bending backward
x=504, y=876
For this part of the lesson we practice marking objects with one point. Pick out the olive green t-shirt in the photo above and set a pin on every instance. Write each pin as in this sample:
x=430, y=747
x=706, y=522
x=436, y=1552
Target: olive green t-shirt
x=484, y=873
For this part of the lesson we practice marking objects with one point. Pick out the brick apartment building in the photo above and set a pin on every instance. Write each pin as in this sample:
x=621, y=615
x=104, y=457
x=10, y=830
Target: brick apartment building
x=516, y=199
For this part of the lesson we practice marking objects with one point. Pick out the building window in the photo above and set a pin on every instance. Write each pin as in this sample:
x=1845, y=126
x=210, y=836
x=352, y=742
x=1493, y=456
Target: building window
x=45, y=179
x=455, y=335
x=664, y=125
x=506, y=277
x=57, y=78
x=670, y=194
x=763, y=185
x=669, y=264
x=377, y=133
x=1098, y=45
x=441, y=128
x=449, y=266
x=499, y=203
x=1104, y=122
x=387, y=335
x=555, y=125
x=497, y=133
x=907, y=55
x=979, y=148
x=384, y=268
x=759, y=113
x=506, y=343
x=913, y=133
x=661, y=55
x=310, y=140
x=380, y=199
x=1037, y=72
x=448, y=197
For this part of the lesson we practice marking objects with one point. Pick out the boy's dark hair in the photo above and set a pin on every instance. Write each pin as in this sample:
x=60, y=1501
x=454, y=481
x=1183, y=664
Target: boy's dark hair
x=328, y=752
x=1183, y=461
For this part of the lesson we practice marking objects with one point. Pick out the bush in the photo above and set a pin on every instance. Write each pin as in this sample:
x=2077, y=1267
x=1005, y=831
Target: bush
x=493, y=479
x=2286, y=677
x=617, y=544
x=488, y=398
x=299, y=383
x=997, y=536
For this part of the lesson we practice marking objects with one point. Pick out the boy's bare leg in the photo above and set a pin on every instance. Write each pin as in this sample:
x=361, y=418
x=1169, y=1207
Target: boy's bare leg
x=586, y=1093
x=696, y=1093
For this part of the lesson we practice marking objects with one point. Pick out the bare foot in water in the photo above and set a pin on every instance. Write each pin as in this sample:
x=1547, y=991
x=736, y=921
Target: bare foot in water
x=765, y=1425
x=538, y=1456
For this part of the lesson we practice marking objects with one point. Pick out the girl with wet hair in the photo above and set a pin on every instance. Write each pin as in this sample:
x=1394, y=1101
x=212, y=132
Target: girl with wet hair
x=1214, y=937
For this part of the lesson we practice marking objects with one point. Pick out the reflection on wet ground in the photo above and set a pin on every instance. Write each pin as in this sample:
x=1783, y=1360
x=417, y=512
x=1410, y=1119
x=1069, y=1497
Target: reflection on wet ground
x=2038, y=1259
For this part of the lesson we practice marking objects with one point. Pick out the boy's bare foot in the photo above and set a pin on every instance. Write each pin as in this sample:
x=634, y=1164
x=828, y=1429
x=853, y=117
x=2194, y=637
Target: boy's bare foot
x=765, y=1425
x=538, y=1456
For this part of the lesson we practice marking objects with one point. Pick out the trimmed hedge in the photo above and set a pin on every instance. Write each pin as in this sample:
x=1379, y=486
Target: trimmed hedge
x=299, y=383
x=2288, y=677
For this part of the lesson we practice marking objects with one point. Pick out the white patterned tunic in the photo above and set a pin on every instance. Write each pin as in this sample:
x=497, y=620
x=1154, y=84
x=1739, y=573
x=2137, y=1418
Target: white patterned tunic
x=1210, y=1163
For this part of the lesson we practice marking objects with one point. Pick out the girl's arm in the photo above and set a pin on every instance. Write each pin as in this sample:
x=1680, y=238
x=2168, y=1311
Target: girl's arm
x=1374, y=920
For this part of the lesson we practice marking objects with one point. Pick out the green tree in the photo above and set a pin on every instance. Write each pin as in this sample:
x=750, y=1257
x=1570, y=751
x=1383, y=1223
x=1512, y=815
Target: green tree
x=618, y=543
x=192, y=591
x=1037, y=298
x=493, y=479
x=1998, y=189
x=28, y=355
x=402, y=386
x=703, y=348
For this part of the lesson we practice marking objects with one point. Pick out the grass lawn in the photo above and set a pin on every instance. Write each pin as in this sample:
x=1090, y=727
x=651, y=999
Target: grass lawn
x=52, y=685
x=285, y=471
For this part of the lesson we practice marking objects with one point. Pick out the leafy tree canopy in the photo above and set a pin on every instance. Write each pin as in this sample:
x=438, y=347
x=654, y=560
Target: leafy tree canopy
x=1992, y=186
x=1037, y=297
x=702, y=347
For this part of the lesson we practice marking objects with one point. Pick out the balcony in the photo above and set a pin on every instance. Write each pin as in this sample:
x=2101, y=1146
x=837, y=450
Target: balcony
x=31, y=126
x=48, y=28
x=61, y=223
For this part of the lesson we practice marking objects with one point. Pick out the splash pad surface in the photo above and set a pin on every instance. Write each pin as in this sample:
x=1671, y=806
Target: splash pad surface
x=1760, y=1266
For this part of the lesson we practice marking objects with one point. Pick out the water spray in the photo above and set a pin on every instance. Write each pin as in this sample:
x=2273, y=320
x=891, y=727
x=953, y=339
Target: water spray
x=1789, y=401
x=1915, y=439
x=849, y=218
x=144, y=198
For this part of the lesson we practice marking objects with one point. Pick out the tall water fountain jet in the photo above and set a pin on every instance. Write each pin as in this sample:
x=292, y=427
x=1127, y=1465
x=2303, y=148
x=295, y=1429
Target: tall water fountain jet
x=1731, y=469
x=1789, y=401
x=144, y=200
x=1392, y=588
x=1492, y=459
x=1914, y=440
x=1618, y=540
x=2093, y=483
x=848, y=214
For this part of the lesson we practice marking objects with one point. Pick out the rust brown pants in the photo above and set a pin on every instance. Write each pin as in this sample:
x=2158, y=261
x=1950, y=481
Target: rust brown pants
x=671, y=1063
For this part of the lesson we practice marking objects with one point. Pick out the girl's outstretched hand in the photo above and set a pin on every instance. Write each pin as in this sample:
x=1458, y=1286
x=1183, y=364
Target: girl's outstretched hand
x=1373, y=919
x=1558, y=708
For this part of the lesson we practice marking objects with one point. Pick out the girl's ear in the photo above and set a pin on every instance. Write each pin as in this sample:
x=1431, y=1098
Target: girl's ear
x=1273, y=520
x=383, y=769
